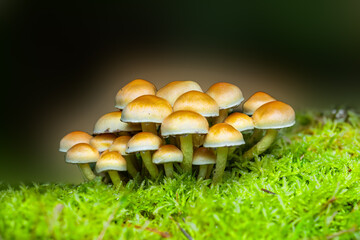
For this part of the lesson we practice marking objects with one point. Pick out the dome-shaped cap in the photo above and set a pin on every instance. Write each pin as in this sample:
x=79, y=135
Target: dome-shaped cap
x=204, y=156
x=110, y=123
x=226, y=95
x=197, y=102
x=240, y=121
x=274, y=115
x=82, y=153
x=119, y=145
x=103, y=141
x=167, y=154
x=143, y=141
x=173, y=90
x=223, y=135
x=133, y=90
x=255, y=101
x=72, y=139
x=184, y=122
x=146, y=109
x=111, y=161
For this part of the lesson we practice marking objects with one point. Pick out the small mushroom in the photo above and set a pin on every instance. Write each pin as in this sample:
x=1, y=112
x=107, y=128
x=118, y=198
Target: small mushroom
x=227, y=95
x=167, y=155
x=175, y=89
x=111, y=162
x=82, y=154
x=144, y=142
x=72, y=139
x=222, y=136
x=255, y=101
x=110, y=123
x=102, y=142
x=206, y=159
x=133, y=90
x=184, y=124
x=270, y=116
x=147, y=110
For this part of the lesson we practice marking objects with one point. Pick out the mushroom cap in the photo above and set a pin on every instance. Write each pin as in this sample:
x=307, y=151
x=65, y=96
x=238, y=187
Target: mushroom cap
x=119, y=145
x=184, y=122
x=146, y=109
x=173, y=90
x=110, y=123
x=227, y=95
x=72, y=139
x=143, y=141
x=103, y=141
x=111, y=161
x=133, y=90
x=223, y=135
x=167, y=154
x=255, y=101
x=240, y=121
x=82, y=153
x=274, y=115
x=197, y=102
x=204, y=156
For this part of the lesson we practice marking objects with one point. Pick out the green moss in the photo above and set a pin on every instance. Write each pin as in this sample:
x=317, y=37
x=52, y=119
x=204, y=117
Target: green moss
x=313, y=171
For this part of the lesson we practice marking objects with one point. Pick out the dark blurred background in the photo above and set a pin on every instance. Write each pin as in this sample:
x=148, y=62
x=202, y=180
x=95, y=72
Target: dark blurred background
x=63, y=62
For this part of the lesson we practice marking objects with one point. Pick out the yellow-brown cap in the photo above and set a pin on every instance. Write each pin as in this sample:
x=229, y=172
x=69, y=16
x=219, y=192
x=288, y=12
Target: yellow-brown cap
x=167, y=154
x=146, y=109
x=173, y=90
x=110, y=123
x=103, y=141
x=119, y=145
x=184, y=122
x=111, y=161
x=274, y=115
x=223, y=135
x=72, y=139
x=240, y=121
x=226, y=95
x=197, y=102
x=255, y=101
x=204, y=156
x=143, y=141
x=82, y=153
x=133, y=90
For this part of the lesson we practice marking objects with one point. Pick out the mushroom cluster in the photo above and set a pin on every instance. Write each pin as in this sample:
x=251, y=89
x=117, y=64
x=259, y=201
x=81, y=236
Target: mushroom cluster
x=177, y=125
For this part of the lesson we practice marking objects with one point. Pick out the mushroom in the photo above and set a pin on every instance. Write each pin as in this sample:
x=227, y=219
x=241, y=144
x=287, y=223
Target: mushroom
x=270, y=116
x=119, y=145
x=221, y=136
x=255, y=101
x=197, y=102
x=111, y=162
x=144, y=142
x=110, y=123
x=147, y=110
x=102, y=142
x=183, y=124
x=206, y=159
x=173, y=90
x=133, y=90
x=227, y=96
x=167, y=155
x=82, y=154
x=72, y=139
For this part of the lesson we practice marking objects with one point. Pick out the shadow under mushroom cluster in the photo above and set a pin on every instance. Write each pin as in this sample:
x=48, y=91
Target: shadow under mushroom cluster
x=177, y=125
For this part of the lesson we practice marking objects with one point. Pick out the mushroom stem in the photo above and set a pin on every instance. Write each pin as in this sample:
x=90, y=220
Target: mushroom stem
x=262, y=145
x=209, y=170
x=187, y=149
x=130, y=166
x=169, y=170
x=255, y=137
x=202, y=171
x=86, y=171
x=115, y=178
x=223, y=113
x=149, y=127
x=150, y=166
x=221, y=157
